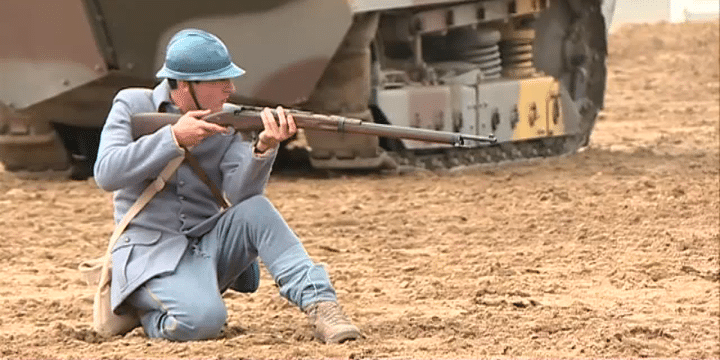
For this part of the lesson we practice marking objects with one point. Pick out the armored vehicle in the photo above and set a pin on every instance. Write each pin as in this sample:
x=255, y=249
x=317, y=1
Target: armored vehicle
x=530, y=72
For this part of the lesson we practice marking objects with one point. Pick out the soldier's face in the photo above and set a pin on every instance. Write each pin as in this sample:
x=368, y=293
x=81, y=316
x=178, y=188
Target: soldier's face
x=213, y=94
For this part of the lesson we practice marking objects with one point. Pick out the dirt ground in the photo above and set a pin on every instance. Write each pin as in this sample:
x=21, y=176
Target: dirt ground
x=611, y=252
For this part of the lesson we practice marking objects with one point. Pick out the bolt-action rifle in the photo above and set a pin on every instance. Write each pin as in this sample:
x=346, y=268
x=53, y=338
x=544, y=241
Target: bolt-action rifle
x=247, y=118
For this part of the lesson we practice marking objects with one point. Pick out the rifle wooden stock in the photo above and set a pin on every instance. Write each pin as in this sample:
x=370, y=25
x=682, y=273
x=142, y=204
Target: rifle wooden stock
x=245, y=119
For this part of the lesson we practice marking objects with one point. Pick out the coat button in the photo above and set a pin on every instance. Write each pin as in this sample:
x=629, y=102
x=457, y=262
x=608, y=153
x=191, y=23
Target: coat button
x=181, y=183
x=127, y=239
x=182, y=198
x=182, y=216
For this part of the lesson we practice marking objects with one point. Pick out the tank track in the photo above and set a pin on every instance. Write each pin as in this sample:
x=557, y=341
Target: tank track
x=503, y=153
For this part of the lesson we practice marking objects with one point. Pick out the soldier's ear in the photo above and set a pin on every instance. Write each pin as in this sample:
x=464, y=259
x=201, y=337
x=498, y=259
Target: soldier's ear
x=183, y=85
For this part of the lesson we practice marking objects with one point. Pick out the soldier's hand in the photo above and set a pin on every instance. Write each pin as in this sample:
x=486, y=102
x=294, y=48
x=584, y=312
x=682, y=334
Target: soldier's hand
x=275, y=132
x=191, y=130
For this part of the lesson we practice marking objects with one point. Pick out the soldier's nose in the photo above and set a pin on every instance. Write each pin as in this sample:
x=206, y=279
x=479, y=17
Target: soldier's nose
x=229, y=87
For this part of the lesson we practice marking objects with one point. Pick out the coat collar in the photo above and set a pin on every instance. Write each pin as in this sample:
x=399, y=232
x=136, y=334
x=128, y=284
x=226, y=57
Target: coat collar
x=161, y=95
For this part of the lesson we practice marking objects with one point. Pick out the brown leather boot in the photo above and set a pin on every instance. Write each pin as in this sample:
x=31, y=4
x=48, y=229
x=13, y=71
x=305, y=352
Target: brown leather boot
x=330, y=324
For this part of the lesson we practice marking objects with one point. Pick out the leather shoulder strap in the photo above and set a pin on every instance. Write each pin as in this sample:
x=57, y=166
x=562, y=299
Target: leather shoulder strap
x=147, y=195
x=195, y=165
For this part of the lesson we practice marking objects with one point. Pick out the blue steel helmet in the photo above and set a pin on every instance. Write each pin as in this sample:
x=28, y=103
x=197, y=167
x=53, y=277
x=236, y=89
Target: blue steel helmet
x=196, y=55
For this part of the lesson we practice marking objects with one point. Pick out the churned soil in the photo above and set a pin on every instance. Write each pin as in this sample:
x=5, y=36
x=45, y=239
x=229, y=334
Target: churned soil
x=610, y=252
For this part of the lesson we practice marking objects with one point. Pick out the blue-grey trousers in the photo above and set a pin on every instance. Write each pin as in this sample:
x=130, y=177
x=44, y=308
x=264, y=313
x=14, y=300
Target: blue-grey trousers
x=187, y=304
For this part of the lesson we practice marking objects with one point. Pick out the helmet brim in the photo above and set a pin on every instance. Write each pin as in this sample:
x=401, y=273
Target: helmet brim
x=229, y=72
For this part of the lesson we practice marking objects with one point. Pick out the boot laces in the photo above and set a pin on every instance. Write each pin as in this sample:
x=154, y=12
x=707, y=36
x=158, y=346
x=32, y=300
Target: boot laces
x=331, y=313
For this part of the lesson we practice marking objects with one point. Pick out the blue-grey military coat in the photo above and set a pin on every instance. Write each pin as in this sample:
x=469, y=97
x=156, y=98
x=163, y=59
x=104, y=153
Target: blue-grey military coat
x=158, y=236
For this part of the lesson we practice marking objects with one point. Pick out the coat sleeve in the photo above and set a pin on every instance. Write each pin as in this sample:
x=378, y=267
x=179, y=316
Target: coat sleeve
x=245, y=174
x=123, y=162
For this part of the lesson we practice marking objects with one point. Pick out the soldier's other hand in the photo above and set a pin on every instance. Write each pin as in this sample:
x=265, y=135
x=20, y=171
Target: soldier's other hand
x=276, y=131
x=191, y=130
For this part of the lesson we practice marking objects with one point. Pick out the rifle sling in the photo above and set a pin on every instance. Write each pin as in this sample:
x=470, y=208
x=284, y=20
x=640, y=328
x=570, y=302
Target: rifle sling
x=195, y=165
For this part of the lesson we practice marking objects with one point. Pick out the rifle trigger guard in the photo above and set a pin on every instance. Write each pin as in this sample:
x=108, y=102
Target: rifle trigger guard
x=237, y=110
